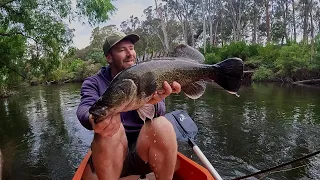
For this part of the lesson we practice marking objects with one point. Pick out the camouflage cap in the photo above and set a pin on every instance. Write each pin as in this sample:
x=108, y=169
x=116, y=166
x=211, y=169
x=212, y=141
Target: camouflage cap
x=116, y=37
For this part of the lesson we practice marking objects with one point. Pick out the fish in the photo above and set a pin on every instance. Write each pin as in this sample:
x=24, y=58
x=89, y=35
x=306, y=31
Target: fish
x=133, y=87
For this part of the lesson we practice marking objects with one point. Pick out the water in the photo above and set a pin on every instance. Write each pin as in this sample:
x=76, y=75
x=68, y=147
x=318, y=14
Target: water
x=267, y=125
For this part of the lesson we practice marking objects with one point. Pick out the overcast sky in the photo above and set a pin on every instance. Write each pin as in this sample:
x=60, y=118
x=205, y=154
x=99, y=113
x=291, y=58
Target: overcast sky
x=125, y=8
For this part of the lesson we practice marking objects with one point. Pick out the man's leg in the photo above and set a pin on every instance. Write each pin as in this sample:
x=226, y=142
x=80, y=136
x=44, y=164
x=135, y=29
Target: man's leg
x=157, y=145
x=108, y=154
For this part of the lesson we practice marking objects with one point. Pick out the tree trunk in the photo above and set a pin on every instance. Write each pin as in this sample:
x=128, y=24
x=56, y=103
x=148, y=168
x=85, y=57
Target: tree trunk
x=210, y=22
x=163, y=27
x=192, y=34
x=284, y=16
x=311, y=30
x=294, y=22
x=267, y=20
x=286, y=22
x=211, y=31
x=255, y=23
x=239, y=22
x=215, y=34
x=184, y=31
x=204, y=27
x=305, y=22
x=311, y=25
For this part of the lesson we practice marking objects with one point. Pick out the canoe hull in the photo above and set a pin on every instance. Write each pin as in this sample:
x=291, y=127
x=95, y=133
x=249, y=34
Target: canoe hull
x=189, y=170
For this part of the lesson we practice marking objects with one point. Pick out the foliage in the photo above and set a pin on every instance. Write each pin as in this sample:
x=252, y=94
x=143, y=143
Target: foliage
x=34, y=38
x=61, y=75
x=293, y=58
x=271, y=62
x=263, y=74
x=76, y=71
x=266, y=57
x=97, y=56
x=235, y=49
x=212, y=58
x=315, y=65
x=33, y=35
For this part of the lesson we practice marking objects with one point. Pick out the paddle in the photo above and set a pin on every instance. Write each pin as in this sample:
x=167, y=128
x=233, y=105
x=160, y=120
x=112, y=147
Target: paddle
x=186, y=130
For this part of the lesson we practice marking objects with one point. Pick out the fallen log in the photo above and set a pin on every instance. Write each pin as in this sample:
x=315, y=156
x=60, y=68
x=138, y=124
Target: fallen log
x=309, y=81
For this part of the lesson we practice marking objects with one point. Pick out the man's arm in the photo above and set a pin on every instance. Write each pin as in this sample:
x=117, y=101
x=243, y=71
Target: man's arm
x=89, y=95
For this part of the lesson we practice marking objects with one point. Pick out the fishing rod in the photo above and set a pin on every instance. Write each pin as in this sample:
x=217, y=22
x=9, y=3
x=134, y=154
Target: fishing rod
x=278, y=166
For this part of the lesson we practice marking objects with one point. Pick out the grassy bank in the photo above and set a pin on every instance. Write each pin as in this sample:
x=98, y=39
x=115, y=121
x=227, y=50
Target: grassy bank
x=281, y=63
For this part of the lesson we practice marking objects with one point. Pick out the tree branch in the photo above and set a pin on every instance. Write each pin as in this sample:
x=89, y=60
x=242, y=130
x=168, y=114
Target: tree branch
x=18, y=33
x=8, y=2
x=12, y=69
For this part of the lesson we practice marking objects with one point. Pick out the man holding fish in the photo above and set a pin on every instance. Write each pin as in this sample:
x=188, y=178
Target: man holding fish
x=123, y=144
x=117, y=101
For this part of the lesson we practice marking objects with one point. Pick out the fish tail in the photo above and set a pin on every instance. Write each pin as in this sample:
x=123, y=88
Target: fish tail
x=229, y=74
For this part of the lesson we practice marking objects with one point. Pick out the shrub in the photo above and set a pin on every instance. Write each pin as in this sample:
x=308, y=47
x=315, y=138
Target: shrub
x=235, y=49
x=263, y=74
x=292, y=58
x=212, y=58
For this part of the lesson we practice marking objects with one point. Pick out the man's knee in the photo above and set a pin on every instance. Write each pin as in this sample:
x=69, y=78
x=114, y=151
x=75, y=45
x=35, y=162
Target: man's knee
x=156, y=134
x=163, y=126
x=109, y=144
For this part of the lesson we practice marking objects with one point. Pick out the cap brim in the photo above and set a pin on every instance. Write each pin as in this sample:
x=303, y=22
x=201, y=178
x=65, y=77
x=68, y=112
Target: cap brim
x=132, y=37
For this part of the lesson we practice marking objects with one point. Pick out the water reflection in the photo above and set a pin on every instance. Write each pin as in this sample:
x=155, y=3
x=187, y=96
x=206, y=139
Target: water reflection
x=267, y=125
x=40, y=134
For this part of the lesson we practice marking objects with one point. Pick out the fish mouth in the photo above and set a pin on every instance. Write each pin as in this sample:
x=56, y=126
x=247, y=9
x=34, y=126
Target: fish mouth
x=97, y=114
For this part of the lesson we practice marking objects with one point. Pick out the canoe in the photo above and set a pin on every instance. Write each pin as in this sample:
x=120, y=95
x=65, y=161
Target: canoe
x=189, y=169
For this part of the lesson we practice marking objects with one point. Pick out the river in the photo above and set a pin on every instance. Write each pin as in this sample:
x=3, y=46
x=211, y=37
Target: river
x=267, y=125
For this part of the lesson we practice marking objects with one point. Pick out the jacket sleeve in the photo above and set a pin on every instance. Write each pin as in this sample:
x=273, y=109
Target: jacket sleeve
x=161, y=108
x=89, y=95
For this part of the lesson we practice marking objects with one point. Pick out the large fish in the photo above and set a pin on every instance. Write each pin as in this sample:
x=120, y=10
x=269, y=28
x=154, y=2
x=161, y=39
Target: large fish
x=133, y=87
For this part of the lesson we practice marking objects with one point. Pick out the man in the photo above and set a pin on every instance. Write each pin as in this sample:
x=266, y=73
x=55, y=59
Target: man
x=123, y=144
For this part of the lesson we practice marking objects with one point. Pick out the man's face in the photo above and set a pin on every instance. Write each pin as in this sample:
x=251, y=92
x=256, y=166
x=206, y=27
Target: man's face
x=122, y=55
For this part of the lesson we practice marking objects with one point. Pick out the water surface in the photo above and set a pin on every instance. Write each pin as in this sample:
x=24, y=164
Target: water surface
x=267, y=125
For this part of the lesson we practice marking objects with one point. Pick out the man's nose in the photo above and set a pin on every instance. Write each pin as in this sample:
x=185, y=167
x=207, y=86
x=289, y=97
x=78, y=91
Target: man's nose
x=129, y=53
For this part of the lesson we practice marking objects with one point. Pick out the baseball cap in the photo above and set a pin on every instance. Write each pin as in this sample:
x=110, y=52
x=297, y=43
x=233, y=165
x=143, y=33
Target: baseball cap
x=116, y=37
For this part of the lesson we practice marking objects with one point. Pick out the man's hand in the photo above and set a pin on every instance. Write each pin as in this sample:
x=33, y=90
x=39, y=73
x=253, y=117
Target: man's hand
x=167, y=90
x=108, y=126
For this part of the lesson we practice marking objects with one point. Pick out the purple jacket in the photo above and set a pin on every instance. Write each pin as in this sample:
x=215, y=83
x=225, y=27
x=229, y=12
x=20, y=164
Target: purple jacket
x=93, y=87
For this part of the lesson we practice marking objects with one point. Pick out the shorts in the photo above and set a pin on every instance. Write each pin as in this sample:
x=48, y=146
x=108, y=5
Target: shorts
x=133, y=164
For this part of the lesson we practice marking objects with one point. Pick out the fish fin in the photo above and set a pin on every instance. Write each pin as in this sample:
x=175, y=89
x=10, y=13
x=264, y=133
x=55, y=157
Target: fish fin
x=188, y=52
x=194, y=90
x=230, y=74
x=146, y=111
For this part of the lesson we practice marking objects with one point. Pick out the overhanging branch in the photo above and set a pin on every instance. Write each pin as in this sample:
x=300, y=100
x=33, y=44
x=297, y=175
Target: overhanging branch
x=18, y=33
x=12, y=69
x=5, y=3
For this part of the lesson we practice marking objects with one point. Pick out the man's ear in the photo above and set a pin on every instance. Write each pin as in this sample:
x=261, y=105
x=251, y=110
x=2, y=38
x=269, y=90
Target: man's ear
x=109, y=58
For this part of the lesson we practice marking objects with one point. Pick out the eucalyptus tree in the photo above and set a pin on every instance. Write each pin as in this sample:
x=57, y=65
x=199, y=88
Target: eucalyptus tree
x=184, y=11
x=162, y=15
x=98, y=35
x=40, y=28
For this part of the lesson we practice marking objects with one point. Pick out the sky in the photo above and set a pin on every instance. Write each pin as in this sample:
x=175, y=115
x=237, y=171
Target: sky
x=125, y=8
